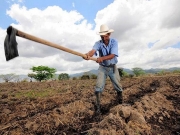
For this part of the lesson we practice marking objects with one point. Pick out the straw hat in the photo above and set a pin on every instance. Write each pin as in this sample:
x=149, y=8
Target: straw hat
x=104, y=30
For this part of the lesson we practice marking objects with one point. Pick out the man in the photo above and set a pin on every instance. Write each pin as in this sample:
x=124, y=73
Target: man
x=108, y=53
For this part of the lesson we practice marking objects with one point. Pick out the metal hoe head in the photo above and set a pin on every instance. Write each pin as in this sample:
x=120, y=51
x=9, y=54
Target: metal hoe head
x=10, y=44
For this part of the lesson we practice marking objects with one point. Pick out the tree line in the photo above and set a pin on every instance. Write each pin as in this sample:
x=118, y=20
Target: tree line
x=41, y=73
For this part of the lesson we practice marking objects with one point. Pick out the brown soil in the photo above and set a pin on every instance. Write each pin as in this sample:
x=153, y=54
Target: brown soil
x=151, y=107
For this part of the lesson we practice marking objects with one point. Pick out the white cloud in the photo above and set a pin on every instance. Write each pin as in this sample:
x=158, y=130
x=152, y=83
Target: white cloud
x=68, y=29
x=136, y=23
x=14, y=1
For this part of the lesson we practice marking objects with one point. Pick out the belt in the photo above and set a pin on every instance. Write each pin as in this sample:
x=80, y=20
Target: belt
x=111, y=65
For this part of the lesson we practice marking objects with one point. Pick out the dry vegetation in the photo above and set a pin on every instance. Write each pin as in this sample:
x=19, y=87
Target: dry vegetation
x=151, y=107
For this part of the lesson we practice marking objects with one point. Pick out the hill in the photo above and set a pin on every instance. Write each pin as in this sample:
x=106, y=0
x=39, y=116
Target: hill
x=95, y=71
x=129, y=71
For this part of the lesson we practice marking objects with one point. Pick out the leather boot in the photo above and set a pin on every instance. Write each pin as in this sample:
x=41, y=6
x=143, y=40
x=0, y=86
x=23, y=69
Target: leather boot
x=119, y=97
x=98, y=100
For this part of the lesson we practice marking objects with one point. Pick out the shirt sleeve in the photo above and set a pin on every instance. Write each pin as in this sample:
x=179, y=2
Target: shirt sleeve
x=96, y=47
x=114, y=48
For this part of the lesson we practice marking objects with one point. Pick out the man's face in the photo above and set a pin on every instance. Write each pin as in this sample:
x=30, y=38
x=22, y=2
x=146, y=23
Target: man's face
x=105, y=37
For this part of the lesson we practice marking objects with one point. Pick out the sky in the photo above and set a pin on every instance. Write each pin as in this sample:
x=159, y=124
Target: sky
x=147, y=31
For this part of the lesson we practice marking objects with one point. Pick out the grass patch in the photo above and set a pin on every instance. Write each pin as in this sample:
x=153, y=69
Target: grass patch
x=35, y=93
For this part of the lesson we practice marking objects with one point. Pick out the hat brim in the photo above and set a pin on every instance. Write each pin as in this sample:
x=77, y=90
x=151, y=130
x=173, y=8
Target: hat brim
x=104, y=33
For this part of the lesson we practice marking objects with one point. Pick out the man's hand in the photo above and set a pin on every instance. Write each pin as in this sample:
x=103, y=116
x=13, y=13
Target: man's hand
x=89, y=54
x=99, y=60
x=87, y=57
x=108, y=57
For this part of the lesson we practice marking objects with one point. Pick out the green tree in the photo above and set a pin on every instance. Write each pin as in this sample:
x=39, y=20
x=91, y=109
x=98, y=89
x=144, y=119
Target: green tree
x=138, y=71
x=43, y=72
x=63, y=76
x=31, y=75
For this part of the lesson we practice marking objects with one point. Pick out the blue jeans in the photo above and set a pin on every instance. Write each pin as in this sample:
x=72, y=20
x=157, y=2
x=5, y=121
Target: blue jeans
x=113, y=74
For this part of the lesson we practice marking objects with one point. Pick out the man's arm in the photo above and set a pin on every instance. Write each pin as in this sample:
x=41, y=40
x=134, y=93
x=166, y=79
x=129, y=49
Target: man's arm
x=89, y=54
x=100, y=59
x=108, y=57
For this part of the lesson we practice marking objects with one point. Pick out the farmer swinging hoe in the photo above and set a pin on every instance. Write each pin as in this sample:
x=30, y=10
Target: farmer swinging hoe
x=107, y=60
x=10, y=44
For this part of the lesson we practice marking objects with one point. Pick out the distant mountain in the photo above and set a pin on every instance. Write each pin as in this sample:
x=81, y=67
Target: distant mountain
x=95, y=71
x=156, y=70
x=129, y=71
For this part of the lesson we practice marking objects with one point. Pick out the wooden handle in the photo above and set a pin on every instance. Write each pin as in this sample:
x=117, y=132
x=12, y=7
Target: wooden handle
x=45, y=42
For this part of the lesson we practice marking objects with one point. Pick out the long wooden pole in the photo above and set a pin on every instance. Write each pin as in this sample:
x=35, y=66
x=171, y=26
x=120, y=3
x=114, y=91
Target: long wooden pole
x=45, y=42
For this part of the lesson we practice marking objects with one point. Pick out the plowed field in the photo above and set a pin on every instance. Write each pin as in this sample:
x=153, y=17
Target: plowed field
x=151, y=107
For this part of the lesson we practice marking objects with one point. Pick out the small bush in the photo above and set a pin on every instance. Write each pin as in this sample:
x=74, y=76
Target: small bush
x=84, y=77
x=93, y=76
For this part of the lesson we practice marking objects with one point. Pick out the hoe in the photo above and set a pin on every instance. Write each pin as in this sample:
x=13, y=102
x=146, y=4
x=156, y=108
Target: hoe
x=10, y=44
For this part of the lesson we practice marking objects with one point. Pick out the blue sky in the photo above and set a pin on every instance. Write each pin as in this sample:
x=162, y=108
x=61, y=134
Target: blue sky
x=88, y=8
x=176, y=45
x=147, y=31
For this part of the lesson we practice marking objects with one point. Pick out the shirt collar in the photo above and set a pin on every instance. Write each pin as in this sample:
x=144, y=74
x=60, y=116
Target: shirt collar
x=109, y=41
